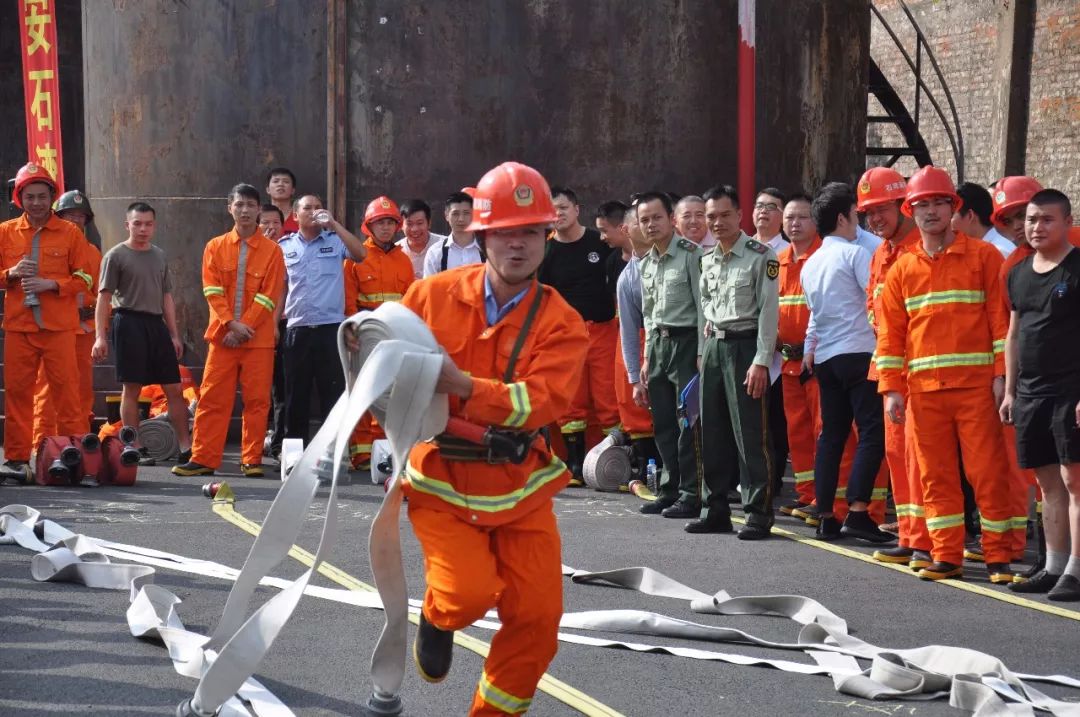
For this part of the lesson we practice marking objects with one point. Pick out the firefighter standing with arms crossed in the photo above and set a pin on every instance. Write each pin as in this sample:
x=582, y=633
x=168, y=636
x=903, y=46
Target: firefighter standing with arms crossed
x=514, y=349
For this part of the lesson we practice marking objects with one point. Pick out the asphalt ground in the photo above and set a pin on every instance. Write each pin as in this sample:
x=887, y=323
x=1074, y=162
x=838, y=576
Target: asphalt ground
x=65, y=649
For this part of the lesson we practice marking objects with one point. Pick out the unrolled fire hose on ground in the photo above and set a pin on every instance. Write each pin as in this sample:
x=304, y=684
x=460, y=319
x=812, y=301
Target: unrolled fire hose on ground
x=395, y=375
x=972, y=680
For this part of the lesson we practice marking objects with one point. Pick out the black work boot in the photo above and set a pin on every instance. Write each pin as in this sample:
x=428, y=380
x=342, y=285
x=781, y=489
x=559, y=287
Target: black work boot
x=433, y=650
x=575, y=456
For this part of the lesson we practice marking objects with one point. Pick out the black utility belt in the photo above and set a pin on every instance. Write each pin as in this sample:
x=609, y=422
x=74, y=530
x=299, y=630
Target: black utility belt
x=728, y=334
x=673, y=331
x=508, y=446
x=791, y=352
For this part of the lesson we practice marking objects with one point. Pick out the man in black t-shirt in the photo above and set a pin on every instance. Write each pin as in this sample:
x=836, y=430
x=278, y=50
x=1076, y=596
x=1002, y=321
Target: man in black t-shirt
x=575, y=264
x=1042, y=385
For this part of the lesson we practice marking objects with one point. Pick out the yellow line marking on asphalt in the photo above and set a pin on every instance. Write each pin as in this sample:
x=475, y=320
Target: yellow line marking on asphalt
x=568, y=695
x=958, y=584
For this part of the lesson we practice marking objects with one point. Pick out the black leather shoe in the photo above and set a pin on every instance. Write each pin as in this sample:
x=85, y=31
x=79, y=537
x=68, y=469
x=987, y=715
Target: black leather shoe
x=754, y=532
x=433, y=651
x=828, y=529
x=860, y=525
x=711, y=525
x=681, y=509
x=1066, y=590
x=1040, y=583
x=655, y=507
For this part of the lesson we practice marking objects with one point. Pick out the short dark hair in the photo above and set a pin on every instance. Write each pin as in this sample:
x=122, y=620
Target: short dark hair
x=675, y=197
x=281, y=170
x=296, y=201
x=272, y=208
x=1045, y=197
x=774, y=192
x=140, y=208
x=565, y=192
x=458, y=198
x=720, y=191
x=646, y=197
x=412, y=206
x=833, y=200
x=799, y=196
x=246, y=191
x=613, y=212
x=976, y=199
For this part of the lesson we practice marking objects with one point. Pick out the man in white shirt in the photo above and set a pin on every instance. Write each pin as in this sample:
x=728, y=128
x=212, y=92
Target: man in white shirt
x=768, y=218
x=690, y=221
x=838, y=347
x=418, y=235
x=460, y=247
x=973, y=218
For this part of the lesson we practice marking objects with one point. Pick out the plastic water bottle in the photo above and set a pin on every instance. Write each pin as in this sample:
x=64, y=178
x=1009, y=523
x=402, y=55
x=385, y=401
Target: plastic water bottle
x=650, y=476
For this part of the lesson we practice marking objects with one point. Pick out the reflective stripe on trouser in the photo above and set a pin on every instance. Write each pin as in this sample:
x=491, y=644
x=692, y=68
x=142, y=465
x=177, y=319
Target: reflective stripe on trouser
x=26, y=353
x=672, y=364
x=367, y=431
x=597, y=387
x=253, y=369
x=45, y=410
x=938, y=419
x=803, y=426
x=906, y=487
x=1022, y=479
x=736, y=427
x=635, y=420
x=515, y=568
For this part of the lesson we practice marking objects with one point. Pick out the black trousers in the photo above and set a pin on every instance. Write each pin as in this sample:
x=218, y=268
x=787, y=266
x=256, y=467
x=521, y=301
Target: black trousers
x=778, y=434
x=277, y=391
x=846, y=396
x=311, y=358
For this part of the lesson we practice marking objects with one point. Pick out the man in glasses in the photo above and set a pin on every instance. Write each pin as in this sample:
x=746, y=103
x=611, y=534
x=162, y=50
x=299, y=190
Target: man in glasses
x=943, y=320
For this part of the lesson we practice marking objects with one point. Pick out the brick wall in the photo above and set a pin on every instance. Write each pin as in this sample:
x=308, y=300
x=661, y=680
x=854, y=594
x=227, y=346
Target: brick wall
x=963, y=36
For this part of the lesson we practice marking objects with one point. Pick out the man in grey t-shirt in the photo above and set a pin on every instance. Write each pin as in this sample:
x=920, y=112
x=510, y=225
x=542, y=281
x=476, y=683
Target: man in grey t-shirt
x=136, y=287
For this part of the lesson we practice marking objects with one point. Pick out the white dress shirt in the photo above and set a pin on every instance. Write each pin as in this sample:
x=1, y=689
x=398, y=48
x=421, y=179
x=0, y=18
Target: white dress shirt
x=867, y=240
x=417, y=258
x=834, y=282
x=456, y=255
x=1000, y=243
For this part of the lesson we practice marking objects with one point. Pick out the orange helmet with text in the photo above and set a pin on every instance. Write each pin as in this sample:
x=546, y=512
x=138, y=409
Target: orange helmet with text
x=930, y=181
x=28, y=174
x=879, y=185
x=1012, y=192
x=381, y=208
x=511, y=195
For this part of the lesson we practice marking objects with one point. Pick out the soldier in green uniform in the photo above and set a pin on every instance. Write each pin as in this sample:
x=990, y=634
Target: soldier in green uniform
x=740, y=307
x=671, y=307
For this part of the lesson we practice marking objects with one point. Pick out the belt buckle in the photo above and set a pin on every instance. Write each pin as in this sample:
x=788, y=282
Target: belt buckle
x=719, y=333
x=664, y=332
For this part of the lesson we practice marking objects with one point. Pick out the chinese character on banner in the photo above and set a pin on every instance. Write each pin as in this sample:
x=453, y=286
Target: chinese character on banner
x=41, y=86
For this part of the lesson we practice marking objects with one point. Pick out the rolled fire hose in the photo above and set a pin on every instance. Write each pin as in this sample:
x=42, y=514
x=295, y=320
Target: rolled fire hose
x=158, y=438
x=394, y=375
x=608, y=465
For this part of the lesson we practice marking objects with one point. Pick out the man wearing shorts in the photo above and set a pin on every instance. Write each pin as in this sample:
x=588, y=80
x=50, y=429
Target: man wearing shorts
x=1042, y=385
x=135, y=285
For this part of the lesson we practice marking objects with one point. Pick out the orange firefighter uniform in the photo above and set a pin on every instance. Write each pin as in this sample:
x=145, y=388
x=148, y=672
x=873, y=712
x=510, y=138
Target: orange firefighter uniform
x=488, y=532
x=802, y=406
x=384, y=275
x=943, y=321
x=242, y=281
x=42, y=337
x=636, y=420
x=44, y=407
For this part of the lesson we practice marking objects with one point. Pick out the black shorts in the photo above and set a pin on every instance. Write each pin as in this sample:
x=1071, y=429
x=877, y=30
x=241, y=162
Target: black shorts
x=1046, y=432
x=143, y=349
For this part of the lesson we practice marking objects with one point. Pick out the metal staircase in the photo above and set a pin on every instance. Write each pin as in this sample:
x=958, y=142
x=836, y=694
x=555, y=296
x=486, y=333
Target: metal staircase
x=896, y=111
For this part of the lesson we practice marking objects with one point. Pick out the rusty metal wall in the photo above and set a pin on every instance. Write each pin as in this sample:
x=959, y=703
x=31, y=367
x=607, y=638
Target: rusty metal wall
x=607, y=97
x=185, y=98
x=812, y=60
x=13, y=152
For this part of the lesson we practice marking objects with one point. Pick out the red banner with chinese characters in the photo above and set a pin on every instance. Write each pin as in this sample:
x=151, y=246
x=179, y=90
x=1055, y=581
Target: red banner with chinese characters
x=41, y=86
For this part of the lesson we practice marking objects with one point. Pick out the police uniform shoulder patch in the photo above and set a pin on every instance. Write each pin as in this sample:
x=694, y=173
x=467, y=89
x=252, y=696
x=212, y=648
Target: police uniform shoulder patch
x=756, y=246
x=772, y=269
